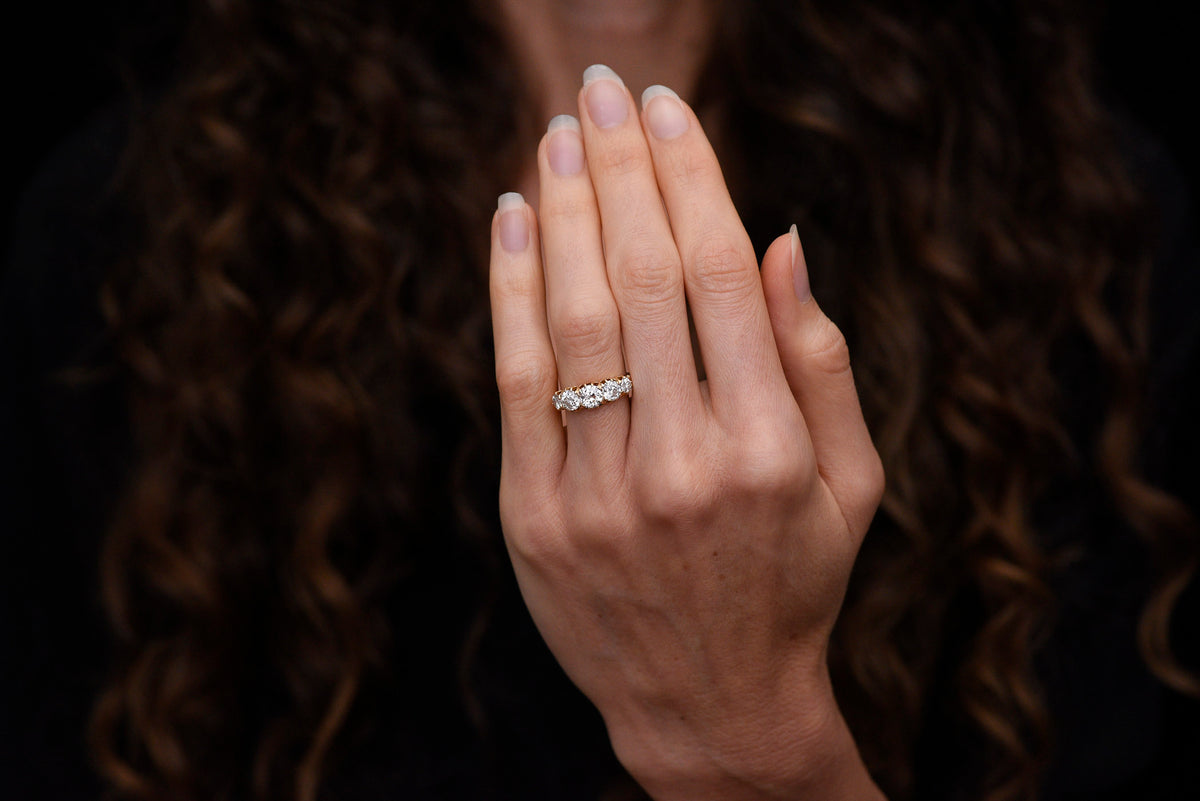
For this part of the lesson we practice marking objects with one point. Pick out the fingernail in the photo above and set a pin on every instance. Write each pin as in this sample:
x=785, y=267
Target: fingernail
x=564, y=150
x=799, y=269
x=514, y=230
x=597, y=72
x=665, y=118
x=604, y=94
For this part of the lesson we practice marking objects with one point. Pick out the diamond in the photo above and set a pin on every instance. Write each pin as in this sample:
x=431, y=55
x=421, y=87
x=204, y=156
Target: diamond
x=625, y=384
x=568, y=399
x=611, y=389
x=589, y=395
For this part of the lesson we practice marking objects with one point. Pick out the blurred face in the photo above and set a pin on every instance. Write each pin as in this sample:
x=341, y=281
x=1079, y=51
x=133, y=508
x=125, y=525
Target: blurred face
x=605, y=17
x=645, y=41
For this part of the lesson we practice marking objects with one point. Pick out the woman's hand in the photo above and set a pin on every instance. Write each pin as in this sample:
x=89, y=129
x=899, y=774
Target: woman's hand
x=685, y=551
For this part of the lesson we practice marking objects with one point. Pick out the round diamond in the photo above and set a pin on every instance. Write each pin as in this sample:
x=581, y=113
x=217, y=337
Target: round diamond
x=625, y=384
x=611, y=389
x=569, y=399
x=589, y=395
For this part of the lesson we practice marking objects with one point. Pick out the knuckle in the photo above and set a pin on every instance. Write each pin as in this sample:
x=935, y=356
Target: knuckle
x=720, y=266
x=624, y=158
x=566, y=210
x=515, y=285
x=695, y=166
x=538, y=546
x=771, y=465
x=650, y=272
x=532, y=529
x=872, y=482
x=525, y=377
x=587, y=330
x=676, y=495
x=827, y=350
x=862, y=488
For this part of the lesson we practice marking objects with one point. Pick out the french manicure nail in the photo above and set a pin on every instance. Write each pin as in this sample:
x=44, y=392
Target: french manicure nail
x=666, y=118
x=564, y=148
x=604, y=94
x=600, y=71
x=514, y=229
x=799, y=269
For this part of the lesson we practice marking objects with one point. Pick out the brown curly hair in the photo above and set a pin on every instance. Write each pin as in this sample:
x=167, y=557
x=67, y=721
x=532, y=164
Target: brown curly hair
x=306, y=335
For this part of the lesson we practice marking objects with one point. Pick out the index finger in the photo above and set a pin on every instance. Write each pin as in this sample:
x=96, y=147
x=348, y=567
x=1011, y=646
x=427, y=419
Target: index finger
x=640, y=255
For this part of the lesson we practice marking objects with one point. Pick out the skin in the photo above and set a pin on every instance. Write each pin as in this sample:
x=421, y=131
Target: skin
x=684, y=552
x=646, y=41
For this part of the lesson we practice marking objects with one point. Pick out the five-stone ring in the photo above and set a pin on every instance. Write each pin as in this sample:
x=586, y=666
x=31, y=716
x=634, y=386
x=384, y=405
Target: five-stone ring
x=589, y=396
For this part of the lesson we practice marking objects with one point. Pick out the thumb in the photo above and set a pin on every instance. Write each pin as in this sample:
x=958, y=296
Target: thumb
x=816, y=363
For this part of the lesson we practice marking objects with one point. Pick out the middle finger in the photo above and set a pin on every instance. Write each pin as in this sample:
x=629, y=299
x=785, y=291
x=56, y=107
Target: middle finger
x=644, y=268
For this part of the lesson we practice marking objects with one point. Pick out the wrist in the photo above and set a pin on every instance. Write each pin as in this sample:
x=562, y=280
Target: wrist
x=794, y=752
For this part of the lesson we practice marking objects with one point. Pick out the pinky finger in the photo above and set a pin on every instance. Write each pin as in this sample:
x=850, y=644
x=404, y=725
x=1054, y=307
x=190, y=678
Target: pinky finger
x=534, y=444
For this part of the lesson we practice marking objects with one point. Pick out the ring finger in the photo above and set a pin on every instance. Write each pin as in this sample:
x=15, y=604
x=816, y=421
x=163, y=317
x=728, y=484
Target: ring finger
x=585, y=326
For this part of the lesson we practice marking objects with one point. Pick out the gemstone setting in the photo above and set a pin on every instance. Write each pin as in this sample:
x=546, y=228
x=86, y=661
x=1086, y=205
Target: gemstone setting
x=567, y=399
x=589, y=396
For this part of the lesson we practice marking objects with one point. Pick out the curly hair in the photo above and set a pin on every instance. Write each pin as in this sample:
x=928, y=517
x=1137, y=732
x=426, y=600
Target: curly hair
x=305, y=333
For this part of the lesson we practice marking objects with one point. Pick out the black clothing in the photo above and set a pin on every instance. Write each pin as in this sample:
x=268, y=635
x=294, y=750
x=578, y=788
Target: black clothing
x=64, y=449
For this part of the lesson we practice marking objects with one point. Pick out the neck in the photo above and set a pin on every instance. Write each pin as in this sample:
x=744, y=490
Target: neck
x=645, y=41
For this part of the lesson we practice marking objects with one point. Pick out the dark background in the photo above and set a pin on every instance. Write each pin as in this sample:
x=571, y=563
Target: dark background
x=64, y=63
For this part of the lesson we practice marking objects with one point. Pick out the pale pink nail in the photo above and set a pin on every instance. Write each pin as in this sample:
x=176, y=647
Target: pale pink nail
x=799, y=269
x=514, y=229
x=604, y=94
x=564, y=150
x=664, y=117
